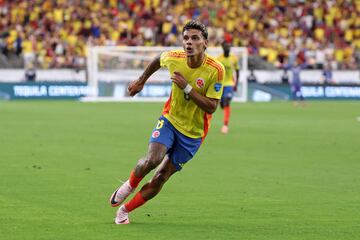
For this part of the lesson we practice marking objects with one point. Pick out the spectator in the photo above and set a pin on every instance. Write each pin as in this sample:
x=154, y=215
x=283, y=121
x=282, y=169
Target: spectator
x=45, y=31
x=327, y=74
x=30, y=73
x=285, y=77
x=252, y=78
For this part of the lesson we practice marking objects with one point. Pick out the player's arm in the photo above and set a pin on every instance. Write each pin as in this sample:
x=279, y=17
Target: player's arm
x=209, y=105
x=236, y=79
x=237, y=73
x=137, y=85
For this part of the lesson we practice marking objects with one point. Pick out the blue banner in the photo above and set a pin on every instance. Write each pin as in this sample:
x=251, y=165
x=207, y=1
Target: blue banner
x=270, y=92
x=44, y=90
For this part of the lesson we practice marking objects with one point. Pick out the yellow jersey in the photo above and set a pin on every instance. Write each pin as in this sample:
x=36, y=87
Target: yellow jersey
x=230, y=63
x=180, y=110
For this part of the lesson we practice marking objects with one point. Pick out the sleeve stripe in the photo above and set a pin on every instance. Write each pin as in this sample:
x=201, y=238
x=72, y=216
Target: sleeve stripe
x=218, y=67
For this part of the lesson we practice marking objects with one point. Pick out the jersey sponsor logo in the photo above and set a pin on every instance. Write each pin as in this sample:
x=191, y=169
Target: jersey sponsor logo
x=200, y=83
x=217, y=86
x=156, y=134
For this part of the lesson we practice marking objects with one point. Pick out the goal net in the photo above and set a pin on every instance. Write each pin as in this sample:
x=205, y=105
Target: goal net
x=111, y=68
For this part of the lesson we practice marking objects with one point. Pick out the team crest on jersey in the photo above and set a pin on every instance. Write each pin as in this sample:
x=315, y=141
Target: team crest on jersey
x=200, y=82
x=156, y=134
x=217, y=86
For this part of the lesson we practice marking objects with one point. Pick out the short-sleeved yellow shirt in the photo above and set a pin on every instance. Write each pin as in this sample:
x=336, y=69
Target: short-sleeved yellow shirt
x=180, y=110
x=231, y=64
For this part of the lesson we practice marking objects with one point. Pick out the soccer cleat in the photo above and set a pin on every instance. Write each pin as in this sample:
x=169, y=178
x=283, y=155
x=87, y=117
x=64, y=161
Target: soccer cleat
x=121, y=194
x=224, y=129
x=122, y=216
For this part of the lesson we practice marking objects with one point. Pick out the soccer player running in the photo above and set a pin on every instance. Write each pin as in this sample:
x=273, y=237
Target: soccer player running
x=196, y=89
x=230, y=63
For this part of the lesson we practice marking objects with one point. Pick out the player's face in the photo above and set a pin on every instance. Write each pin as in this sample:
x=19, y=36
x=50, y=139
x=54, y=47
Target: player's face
x=193, y=42
x=226, y=48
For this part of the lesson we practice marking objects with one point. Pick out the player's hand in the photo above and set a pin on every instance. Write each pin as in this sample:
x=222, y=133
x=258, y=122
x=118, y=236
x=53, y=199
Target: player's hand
x=179, y=80
x=235, y=88
x=134, y=87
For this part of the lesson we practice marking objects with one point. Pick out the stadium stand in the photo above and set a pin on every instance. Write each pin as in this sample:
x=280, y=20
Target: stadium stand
x=54, y=34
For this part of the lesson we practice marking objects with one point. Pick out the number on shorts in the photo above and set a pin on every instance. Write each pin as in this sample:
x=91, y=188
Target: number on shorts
x=160, y=124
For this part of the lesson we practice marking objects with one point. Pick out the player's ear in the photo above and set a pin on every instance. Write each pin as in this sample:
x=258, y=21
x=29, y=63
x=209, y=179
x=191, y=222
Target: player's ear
x=205, y=44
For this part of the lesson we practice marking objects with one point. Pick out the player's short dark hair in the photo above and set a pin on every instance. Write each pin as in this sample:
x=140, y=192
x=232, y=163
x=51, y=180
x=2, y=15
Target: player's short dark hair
x=225, y=43
x=194, y=24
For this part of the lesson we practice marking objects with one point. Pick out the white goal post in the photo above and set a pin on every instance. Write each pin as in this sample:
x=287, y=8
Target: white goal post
x=111, y=68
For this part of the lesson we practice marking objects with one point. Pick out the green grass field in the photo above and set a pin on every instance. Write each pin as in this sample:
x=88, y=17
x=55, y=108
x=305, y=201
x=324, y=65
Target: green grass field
x=282, y=172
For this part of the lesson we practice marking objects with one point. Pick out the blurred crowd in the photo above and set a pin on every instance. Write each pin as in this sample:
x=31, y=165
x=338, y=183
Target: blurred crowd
x=56, y=33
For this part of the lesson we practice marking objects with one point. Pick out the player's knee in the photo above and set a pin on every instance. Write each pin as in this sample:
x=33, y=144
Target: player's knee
x=222, y=104
x=227, y=102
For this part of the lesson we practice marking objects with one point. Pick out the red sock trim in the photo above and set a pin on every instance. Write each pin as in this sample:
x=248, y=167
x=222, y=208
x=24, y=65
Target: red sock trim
x=133, y=180
x=227, y=112
x=135, y=202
